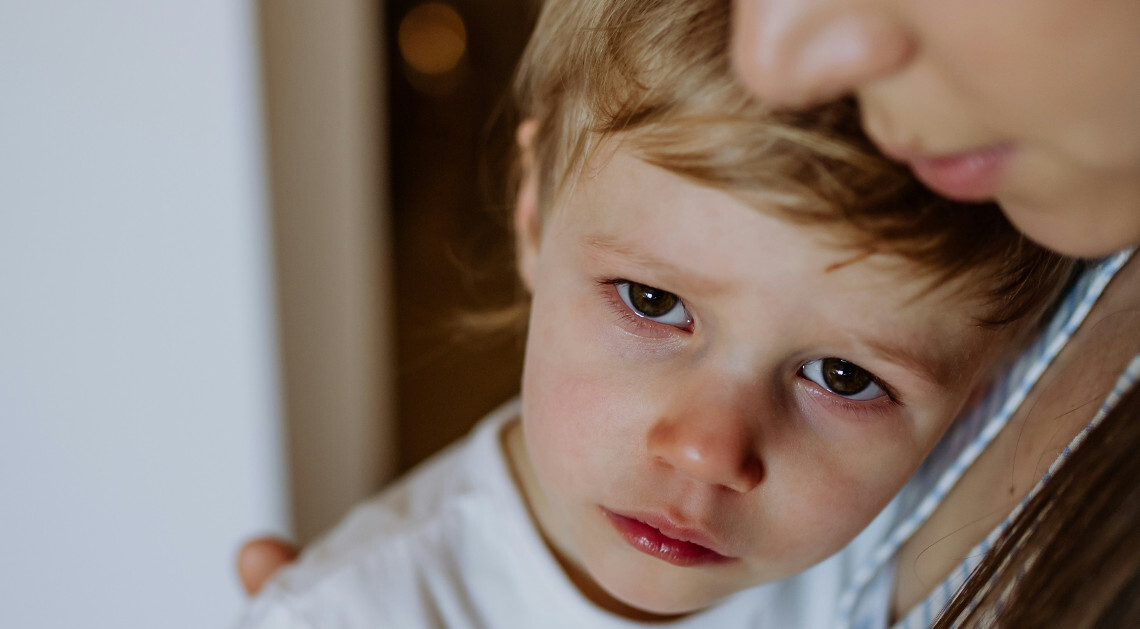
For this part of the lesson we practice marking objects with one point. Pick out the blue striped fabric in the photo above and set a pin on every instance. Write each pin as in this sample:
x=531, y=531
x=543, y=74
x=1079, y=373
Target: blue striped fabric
x=923, y=615
x=860, y=606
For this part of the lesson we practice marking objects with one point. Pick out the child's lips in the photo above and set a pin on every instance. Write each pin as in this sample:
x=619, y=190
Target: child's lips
x=660, y=537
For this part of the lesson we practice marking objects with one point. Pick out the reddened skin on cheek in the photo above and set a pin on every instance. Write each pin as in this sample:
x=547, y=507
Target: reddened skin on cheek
x=579, y=436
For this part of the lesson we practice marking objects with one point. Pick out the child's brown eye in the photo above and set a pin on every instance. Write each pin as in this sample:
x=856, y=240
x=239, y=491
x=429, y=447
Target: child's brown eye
x=843, y=378
x=654, y=303
x=649, y=301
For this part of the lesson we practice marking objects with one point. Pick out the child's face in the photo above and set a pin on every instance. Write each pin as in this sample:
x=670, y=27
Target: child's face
x=682, y=440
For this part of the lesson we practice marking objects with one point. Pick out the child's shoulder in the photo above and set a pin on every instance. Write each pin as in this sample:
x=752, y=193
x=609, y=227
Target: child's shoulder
x=412, y=541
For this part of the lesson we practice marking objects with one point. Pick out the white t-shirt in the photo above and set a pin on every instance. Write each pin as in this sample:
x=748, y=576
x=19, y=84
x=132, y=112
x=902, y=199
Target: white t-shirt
x=452, y=545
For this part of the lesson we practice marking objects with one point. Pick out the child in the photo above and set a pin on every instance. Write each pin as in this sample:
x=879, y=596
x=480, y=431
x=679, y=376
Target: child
x=746, y=332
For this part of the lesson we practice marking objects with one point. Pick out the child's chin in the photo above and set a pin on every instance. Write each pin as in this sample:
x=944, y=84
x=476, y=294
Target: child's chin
x=641, y=599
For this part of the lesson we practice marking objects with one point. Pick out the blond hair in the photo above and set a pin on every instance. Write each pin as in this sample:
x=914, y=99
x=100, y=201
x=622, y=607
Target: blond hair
x=656, y=74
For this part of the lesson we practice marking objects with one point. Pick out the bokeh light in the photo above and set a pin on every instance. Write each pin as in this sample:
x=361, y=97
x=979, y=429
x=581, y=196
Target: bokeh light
x=432, y=38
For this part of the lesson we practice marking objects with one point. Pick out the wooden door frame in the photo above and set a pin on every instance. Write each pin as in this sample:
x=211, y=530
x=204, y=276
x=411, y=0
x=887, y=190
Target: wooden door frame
x=325, y=112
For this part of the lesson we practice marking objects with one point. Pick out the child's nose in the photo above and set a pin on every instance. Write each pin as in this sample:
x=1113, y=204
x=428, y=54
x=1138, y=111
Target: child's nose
x=709, y=447
x=797, y=52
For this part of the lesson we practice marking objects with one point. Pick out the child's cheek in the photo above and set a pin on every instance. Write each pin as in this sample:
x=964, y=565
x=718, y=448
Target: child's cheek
x=565, y=404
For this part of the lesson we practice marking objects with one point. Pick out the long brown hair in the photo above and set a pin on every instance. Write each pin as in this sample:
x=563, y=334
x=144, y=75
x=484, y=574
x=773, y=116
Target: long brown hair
x=1072, y=557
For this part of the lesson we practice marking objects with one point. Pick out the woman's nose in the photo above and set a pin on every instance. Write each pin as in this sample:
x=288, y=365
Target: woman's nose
x=710, y=447
x=798, y=52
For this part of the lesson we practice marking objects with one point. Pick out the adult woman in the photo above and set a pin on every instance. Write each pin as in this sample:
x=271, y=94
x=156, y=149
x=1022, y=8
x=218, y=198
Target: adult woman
x=1031, y=103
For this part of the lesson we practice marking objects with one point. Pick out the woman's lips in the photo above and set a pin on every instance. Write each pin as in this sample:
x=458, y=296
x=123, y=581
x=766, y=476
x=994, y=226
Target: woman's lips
x=659, y=538
x=974, y=175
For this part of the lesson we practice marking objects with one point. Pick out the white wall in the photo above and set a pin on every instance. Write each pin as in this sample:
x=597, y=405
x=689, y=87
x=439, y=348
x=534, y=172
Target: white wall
x=139, y=422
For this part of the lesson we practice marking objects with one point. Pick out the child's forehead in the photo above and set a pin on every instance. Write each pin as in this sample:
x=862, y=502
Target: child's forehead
x=623, y=207
x=758, y=285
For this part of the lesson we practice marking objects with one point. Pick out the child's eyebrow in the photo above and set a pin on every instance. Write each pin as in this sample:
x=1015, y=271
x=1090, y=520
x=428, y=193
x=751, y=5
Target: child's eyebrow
x=933, y=369
x=607, y=245
x=929, y=368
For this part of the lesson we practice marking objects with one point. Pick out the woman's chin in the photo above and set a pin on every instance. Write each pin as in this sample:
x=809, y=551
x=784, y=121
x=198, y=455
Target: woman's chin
x=1098, y=233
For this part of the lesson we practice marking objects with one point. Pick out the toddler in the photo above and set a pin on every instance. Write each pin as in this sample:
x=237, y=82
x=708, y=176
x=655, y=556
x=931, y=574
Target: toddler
x=746, y=332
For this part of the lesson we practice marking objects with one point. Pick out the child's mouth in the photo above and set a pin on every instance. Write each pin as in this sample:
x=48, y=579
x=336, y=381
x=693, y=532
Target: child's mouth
x=652, y=541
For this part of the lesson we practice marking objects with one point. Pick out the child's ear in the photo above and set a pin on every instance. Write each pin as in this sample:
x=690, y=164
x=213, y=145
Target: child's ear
x=527, y=222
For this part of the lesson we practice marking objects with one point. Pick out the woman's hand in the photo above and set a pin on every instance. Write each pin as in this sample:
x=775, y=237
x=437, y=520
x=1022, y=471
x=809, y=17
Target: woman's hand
x=260, y=558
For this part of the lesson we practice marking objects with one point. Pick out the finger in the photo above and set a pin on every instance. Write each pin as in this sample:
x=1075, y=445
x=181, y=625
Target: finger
x=260, y=558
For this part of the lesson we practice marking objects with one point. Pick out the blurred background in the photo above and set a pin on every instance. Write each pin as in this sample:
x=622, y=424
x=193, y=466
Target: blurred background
x=235, y=240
